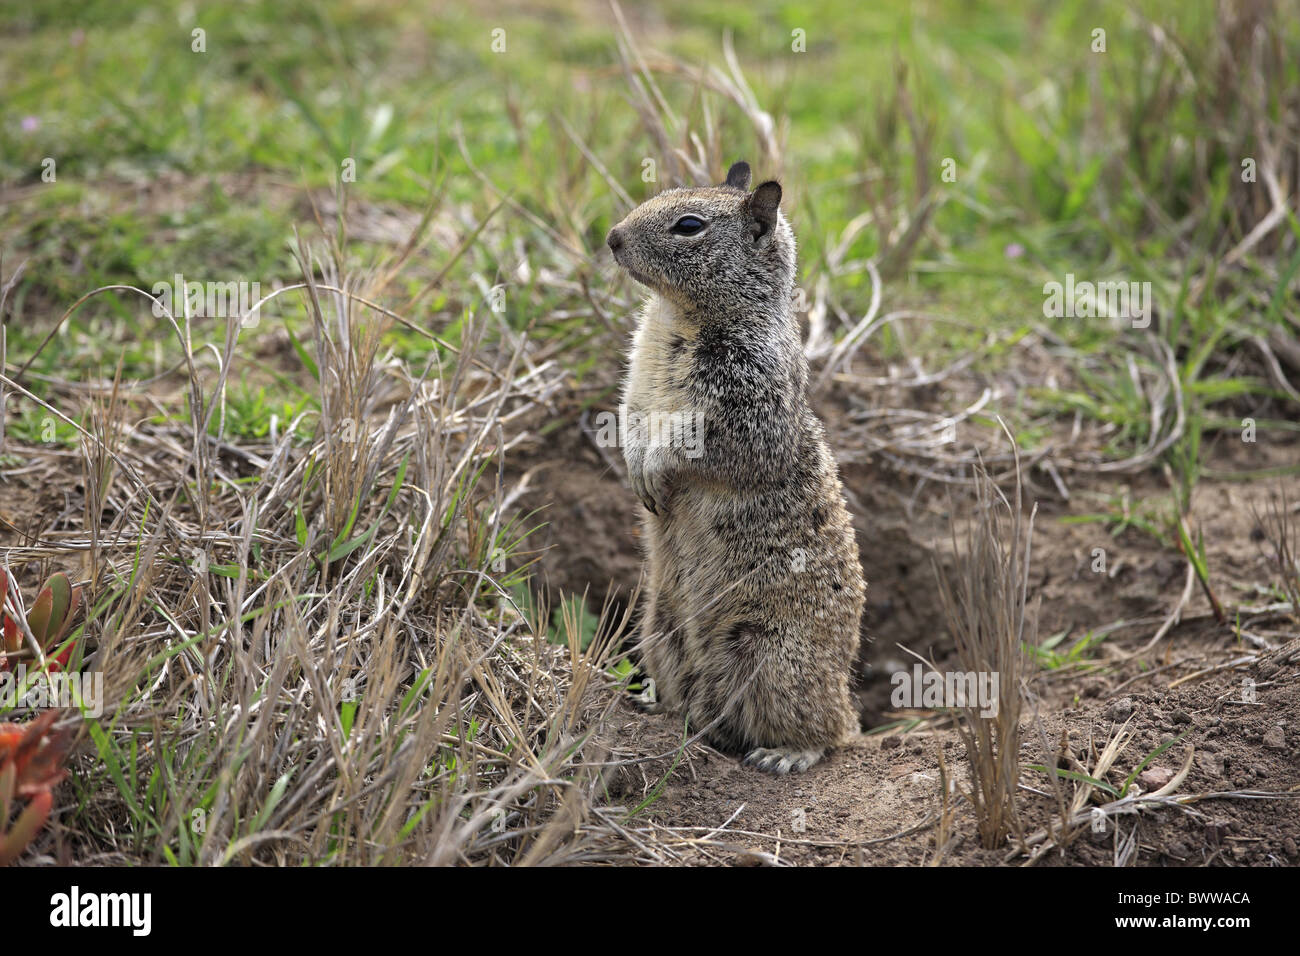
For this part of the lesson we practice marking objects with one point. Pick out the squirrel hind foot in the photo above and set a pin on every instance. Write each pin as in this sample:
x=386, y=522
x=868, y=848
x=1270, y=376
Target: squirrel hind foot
x=782, y=760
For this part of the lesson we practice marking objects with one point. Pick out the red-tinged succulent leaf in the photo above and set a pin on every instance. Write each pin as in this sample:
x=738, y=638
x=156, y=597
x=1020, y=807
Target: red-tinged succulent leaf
x=63, y=612
x=10, y=736
x=36, y=752
x=60, y=589
x=50, y=619
x=38, y=618
x=27, y=826
x=29, y=754
x=59, y=661
x=70, y=615
x=10, y=638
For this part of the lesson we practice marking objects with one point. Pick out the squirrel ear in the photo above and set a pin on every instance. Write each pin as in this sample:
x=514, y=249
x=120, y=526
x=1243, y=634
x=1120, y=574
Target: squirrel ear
x=763, y=204
x=738, y=175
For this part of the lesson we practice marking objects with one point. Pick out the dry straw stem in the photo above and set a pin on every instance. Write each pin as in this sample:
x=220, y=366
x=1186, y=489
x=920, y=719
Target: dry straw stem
x=984, y=601
x=943, y=835
x=1281, y=532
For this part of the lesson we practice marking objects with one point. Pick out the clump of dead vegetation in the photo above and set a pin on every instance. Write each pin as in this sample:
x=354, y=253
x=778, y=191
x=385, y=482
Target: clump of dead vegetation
x=1280, y=646
x=1280, y=532
x=985, y=599
x=309, y=645
x=695, y=154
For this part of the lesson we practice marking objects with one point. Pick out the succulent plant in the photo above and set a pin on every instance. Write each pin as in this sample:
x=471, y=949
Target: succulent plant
x=50, y=619
x=31, y=766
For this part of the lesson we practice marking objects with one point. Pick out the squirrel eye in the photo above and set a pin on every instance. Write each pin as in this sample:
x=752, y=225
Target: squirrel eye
x=687, y=226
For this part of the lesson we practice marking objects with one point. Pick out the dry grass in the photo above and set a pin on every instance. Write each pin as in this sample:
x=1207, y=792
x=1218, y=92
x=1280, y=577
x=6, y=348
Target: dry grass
x=696, y=154
x=1281, y=533
x=1086, y=780
x=306, y=651
x=985, y=602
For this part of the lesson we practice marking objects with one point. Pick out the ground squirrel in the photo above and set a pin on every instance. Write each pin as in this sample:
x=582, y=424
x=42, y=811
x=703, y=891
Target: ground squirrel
x=755, y=588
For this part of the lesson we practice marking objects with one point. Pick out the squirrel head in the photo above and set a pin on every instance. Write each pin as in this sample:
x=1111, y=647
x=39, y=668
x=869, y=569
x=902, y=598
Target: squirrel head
x=714, y=248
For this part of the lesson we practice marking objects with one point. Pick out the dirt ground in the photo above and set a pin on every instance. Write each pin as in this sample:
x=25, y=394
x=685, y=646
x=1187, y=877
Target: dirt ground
x=878, y=800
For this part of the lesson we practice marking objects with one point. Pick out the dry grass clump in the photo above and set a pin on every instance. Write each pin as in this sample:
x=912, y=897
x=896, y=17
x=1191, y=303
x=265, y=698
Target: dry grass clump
x=1238, y=77
x=695, y=154
x=1281, y=533
x=308, y=642
x=984, y=599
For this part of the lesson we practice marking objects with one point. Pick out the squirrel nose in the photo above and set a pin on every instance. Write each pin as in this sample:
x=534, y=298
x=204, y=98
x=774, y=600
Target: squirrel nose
x=614, y=239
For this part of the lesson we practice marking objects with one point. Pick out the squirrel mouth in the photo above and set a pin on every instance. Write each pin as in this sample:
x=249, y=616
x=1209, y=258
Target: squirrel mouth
x=638, y=276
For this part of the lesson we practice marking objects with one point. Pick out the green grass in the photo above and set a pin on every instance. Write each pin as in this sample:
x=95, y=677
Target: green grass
x=286, y=92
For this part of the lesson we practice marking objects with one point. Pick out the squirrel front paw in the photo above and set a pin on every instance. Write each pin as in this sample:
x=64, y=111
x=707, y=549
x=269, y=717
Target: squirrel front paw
x=648, y=475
